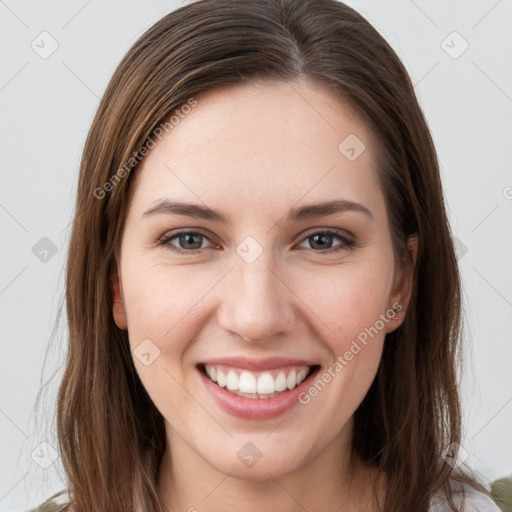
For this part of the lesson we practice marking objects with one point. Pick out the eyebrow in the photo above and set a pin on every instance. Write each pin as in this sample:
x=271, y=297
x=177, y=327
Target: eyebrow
x=293, y=215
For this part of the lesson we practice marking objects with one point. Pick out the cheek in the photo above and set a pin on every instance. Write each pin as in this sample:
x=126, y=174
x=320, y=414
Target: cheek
x=164, y=304
x=345, y=302
x=347, y=314
x=164, y=309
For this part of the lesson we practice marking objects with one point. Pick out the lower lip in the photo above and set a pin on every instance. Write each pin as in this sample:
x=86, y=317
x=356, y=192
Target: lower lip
x=256, y=408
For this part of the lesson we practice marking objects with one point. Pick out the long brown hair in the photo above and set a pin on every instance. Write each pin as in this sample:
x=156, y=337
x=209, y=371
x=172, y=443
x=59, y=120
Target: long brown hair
x=110, y=434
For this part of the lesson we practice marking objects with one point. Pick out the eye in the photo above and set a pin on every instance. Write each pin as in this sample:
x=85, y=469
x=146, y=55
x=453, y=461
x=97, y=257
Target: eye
x=319, y=239
x=190, y=241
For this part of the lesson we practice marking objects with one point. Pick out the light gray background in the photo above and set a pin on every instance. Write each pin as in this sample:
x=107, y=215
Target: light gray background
x=47, y=106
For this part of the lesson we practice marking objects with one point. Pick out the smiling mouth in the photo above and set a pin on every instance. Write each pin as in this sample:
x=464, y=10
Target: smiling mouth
x=258, y=385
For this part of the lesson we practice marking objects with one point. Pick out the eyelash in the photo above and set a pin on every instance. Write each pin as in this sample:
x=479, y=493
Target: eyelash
x=347, y=243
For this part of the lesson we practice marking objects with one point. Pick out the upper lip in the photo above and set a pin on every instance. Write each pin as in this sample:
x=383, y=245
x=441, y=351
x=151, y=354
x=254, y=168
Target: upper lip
x=268, y=363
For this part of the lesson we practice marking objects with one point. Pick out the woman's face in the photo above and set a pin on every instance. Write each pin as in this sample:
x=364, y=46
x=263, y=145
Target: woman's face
x=266, y=288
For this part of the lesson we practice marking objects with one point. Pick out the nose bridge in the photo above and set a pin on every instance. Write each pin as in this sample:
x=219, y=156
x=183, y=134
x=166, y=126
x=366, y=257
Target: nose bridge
x=255, y=302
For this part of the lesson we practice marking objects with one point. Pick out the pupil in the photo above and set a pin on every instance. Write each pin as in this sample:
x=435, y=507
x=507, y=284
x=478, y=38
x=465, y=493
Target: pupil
x=187, y=237
x=323, y=236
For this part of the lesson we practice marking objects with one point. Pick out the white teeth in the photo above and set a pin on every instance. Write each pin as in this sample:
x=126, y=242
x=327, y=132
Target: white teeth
x=221, y=378
x=281, y=382
x=247, y=382
x=252, y=386
x=232, y=381
x=210, y=370
x=291, y=381
x=266, y=384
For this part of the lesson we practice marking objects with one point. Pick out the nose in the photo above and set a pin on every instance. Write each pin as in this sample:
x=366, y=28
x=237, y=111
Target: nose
x=257, y=302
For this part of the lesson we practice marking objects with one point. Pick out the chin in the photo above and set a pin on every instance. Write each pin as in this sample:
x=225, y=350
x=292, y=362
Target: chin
x=257, y=458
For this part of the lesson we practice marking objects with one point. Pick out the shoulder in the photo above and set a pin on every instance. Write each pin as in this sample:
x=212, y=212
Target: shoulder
x=465, y=495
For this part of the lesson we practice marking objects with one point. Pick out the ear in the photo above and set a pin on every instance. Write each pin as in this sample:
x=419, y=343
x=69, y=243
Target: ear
x=119, y=312
x=403, y=282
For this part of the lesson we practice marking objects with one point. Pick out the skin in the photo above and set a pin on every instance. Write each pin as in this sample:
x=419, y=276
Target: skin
x=254, y=151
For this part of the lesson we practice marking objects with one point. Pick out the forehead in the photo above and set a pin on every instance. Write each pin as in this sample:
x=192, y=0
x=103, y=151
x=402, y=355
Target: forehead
x=274, y=141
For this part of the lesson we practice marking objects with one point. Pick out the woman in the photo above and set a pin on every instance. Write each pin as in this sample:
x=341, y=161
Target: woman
x=259, y=367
